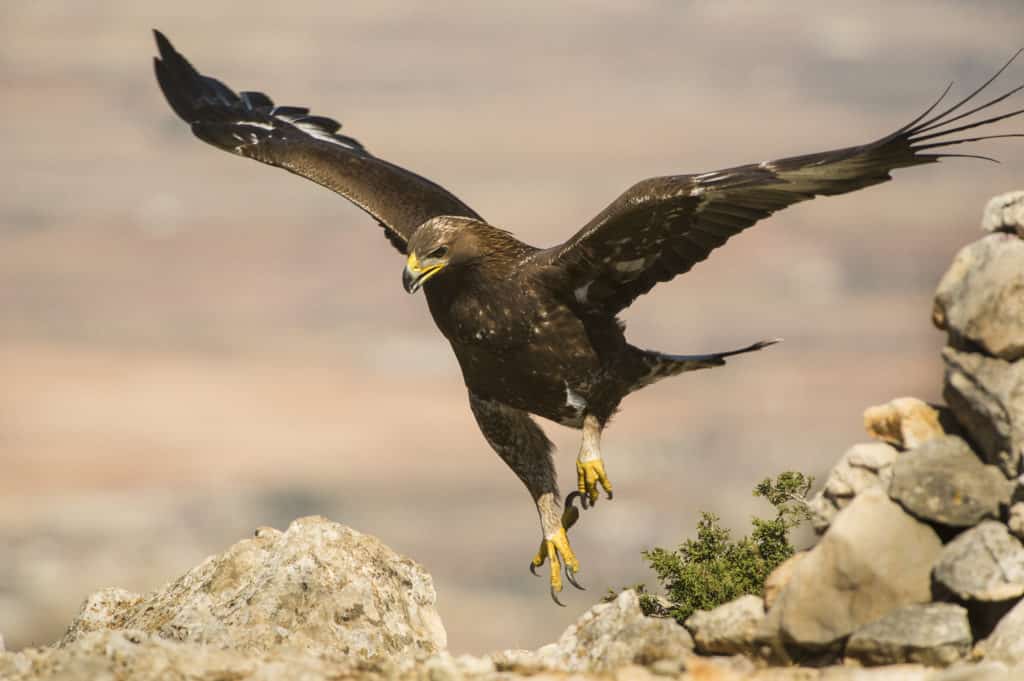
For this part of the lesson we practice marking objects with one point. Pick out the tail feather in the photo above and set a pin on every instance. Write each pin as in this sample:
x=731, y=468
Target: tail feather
x=660, y=365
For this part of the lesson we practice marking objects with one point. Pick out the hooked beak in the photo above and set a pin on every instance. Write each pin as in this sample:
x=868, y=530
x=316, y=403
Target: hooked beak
x=414, y=275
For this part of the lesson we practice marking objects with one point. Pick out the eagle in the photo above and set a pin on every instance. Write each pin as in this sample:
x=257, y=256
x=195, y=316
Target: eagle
x=536, y=330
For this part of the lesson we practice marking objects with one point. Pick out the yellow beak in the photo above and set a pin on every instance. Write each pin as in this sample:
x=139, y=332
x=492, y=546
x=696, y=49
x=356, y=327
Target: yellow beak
x=414, y=275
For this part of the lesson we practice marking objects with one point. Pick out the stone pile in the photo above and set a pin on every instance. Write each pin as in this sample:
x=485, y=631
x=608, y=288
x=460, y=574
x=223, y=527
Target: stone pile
x=918, y=574
x=920, y=558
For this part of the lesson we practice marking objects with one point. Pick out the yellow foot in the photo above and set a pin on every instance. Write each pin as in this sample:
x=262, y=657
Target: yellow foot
x=559, y=553
x=588, y=475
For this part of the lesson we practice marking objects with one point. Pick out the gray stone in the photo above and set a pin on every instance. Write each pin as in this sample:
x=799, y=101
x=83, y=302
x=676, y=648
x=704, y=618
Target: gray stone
x=873, y=559
x=984, y=563
x=1006, y=642
x=729, y=629
x=944, y=482
x=612, y=635
x=934, y=634
x=863, y=466
x=320, y=587
x=779, y=578
x=980, y=300
x=905, y=422
x=987, y=397
x=1004, y=213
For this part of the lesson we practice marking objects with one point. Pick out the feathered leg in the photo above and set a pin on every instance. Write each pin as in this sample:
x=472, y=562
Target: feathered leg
x=523, y=446
x=589, y=464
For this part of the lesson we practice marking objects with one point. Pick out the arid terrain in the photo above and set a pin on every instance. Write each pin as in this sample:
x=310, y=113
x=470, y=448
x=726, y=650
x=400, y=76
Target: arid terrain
x=192, y=345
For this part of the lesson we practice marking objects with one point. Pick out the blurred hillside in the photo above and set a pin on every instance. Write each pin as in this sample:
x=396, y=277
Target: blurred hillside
x=192, y=344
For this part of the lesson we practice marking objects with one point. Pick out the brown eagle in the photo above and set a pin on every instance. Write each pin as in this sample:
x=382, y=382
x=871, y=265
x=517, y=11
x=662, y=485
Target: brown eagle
x=535, y=330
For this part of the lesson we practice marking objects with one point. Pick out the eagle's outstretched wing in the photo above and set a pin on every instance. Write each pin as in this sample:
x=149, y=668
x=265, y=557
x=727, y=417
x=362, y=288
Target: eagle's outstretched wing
x=662, y=227
x=248, y=124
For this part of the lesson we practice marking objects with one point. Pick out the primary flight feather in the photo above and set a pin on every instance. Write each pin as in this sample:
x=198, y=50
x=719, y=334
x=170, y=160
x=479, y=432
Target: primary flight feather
x=535, y=330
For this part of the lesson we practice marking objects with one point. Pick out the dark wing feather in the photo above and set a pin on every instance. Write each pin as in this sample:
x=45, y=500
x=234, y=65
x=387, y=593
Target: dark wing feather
x=662, y=227
x=248, y=124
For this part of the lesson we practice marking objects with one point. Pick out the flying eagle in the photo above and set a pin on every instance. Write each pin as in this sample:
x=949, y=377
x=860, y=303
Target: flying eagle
x=535, y=330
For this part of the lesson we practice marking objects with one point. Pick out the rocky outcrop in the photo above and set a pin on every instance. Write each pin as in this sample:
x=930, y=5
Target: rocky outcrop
x=319, y=587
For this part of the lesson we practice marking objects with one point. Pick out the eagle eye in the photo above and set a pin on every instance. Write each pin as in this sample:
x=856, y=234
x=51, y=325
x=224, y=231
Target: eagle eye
x=438, y=252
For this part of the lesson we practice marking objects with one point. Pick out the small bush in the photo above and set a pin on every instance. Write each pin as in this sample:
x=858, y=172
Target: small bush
x=713, y=569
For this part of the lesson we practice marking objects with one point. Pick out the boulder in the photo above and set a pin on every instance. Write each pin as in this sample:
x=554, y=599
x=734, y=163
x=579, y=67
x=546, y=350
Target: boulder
x=980, y=299
x=609, y=636
x=987, y=397
x=905, y=422
x=984, y=563
x=944, y=482
x=863, y=466
x=319, y=586
x=874, y=558
x=729, y=629
x=934, y=634
x=1006, y=642
x=1005, y=213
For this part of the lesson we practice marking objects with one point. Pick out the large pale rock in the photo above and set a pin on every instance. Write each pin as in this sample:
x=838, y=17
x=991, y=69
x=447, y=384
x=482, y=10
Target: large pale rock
x=863, y=466
x=1004, y=213
x=779, y=578
x=944, y=482
x=935, y=634
x=874, y=558
x=319, y=586
x=729, y=629
x=905, y=422
x=980, y=300
x=987, y=397
x=984, y=563
x=607, y=637
x=1006, y=642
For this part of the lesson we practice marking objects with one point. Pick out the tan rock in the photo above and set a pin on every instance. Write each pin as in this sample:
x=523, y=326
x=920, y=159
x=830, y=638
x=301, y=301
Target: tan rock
x=874, y=558
x=729, y=629
x=905, y=422
x=864, y=466
x=780, y=577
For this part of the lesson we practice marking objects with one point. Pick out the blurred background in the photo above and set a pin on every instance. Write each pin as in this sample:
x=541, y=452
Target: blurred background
x=193, y=344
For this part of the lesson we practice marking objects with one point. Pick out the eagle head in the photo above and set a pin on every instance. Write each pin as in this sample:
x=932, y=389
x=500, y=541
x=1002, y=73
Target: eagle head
x=438, y=243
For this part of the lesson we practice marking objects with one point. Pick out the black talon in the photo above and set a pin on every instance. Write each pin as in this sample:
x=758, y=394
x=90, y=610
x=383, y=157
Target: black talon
x=533, y=569
x=571, y=576
x=610, y=495
x=554, y=597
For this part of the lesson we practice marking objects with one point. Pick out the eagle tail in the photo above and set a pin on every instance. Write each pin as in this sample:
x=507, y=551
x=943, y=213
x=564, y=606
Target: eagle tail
x=659, y=365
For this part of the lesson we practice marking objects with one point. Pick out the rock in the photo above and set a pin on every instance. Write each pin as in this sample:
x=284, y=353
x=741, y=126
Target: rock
x=1004, y=213
x=863, y=466
x=729, y=629
x=944, y=482
x=983, y=563
x=987, y=397
x=1015, y=520
x=980, y=299
x=1006, y=642
x=934, y=634
x=612, y=635
x=319, y=586
x=905, y=422
x=874, y=558
x=779, y=578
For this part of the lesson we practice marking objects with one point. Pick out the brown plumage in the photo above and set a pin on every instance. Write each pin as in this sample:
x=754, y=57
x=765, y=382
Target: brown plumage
x=536, y=331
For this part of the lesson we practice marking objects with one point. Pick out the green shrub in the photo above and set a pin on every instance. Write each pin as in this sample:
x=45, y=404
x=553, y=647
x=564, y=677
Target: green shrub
x=713, y=569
